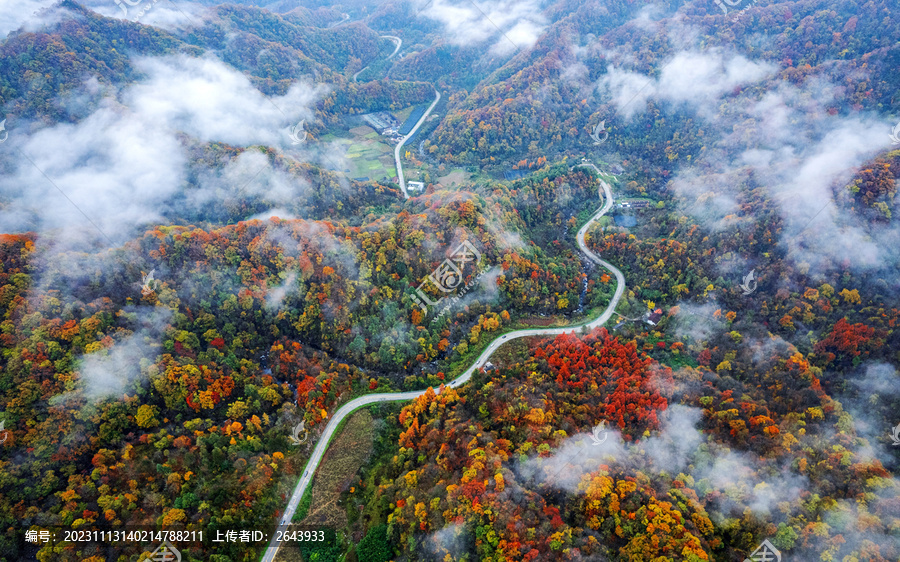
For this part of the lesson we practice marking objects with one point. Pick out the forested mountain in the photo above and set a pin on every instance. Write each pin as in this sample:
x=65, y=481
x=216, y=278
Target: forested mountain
x=207, y=250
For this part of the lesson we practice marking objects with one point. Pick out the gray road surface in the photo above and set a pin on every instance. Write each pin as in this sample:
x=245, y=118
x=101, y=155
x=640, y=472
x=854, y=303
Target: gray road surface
x=437, y=98
x=350, y=407
x=393, y=38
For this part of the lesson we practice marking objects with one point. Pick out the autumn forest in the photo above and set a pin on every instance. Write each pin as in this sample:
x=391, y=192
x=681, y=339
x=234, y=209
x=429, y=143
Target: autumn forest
x=515, y=281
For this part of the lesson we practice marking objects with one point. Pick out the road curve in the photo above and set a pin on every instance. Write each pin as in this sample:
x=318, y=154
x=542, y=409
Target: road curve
x=394, y=39
x=349, y=407
x=437, y=98
x=344, y=17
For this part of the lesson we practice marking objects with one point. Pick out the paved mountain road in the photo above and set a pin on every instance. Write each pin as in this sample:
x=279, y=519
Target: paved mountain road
x=393, y=38
x=355, y=404
x=396, y=40
x=437, y=98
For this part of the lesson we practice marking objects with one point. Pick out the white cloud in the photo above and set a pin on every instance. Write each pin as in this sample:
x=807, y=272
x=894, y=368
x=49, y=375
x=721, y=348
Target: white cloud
x=121, y=164
x=749, y=482
x=212, y=102
x=249, y=174
x=509, y=25
x=699, y=79
x=15, y=15
x=744, y=480
x=696, y=323
x=783, y=139
x=574, y=458
x=276, y=295
x=36, y=15
x=672, y=447
x=669, y=450
x=276, y=212
x=450, y=540
x=787, y=142
x=109, y=372
x=879, y=378
x=158, y=13
x=115, y=166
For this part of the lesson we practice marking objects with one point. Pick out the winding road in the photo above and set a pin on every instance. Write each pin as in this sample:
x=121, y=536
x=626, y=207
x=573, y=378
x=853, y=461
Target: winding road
x=344, y=17
x=437, y=98
x=355, y=404
x=393, y=38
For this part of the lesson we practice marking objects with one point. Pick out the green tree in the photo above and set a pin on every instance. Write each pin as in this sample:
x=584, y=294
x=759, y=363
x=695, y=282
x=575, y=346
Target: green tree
x=374, y=547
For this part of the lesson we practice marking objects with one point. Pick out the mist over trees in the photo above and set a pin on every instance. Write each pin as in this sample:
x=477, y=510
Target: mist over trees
x=184, y=283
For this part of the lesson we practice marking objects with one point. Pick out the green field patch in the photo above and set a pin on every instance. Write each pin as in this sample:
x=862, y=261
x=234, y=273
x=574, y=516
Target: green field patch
x=367, y=154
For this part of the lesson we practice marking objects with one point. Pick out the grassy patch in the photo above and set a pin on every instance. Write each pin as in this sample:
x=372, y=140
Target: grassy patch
x=350, y=449
x=302, y=507
x=368, y=153
x=458, y=177
x=403, y=114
